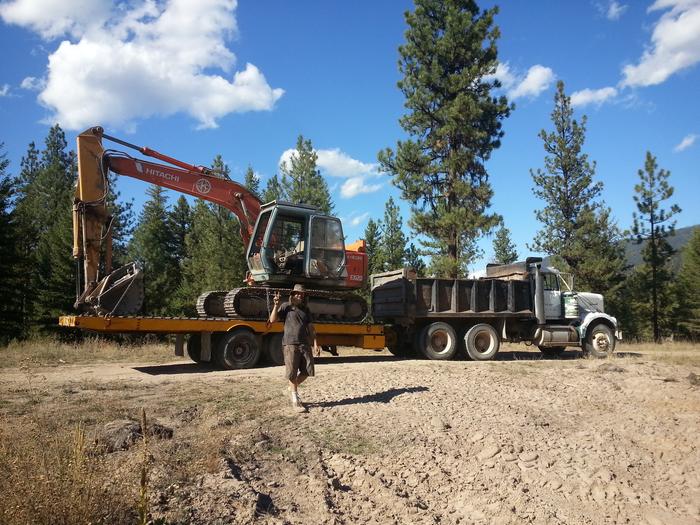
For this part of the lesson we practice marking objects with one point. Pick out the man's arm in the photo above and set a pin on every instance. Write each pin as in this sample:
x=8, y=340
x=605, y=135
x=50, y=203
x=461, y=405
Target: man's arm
x=312, y=333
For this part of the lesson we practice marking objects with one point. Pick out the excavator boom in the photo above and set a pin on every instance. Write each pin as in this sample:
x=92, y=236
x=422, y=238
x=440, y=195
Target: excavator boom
x=92, y=222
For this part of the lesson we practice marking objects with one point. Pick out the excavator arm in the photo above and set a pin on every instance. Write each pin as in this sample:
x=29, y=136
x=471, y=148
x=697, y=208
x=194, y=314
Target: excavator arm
x=121, y=292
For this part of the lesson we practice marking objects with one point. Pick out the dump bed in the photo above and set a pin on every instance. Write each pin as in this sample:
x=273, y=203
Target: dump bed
x=401, y=297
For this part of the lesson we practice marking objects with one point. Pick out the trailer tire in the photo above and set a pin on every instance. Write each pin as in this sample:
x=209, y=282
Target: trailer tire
x=552, y=351
x=600, y=341
x=398, y=342
x=438, y=341
x=194, y=347
x=482, y=342
x=238, y=349
x=273, y=349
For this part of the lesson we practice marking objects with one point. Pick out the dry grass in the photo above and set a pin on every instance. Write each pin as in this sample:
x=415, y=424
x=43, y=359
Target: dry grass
x=53, y=352
x=676, y=353
x=53, y=478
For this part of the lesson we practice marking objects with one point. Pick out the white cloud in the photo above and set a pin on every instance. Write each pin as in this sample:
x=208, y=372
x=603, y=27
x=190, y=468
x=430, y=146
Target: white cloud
x=502, y=74
x=675, y=44
x=356, y=185
x=615, y=10
x=687, y=141
x=336, y=163
x=33, y=84
x=593, y=96
x=359, y=219
x=5, y=90
x=51, y=19
x=537, y=79
x=126, y=64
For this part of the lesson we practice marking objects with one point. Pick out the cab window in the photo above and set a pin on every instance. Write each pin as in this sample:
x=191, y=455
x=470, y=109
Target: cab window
x=327, y=248
x=551, y=282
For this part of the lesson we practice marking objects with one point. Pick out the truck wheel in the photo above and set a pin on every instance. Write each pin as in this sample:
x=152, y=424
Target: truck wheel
x=552, y=351
x=600, y=341
x=482, y=342
x=438, y=341
x=398, y=342
x=273, y=349
x=238, y=349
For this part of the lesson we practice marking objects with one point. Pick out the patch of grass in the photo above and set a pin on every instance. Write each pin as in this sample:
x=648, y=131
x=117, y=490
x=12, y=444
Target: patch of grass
x=53, y=477
x=47, y=351
x=676, y=353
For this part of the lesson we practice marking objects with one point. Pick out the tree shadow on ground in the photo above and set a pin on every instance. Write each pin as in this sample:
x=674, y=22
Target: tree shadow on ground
x=379, y=397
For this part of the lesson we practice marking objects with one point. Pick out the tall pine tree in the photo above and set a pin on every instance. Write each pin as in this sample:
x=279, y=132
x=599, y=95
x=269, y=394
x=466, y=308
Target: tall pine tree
x=653, y=225
x=153, y=246
x=504, y=250
x=273, y=190
x=577, y=228
x=252, y=181
x=689, y=288
x=373, y=239
x=301, y=180
x=10, y=283
x=455, y=124
x=392, y=249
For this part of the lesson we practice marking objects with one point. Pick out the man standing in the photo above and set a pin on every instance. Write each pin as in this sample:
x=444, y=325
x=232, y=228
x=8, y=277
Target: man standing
x=298, y=335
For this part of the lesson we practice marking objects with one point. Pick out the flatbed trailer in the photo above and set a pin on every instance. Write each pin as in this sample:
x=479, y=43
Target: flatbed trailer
x=230, y=342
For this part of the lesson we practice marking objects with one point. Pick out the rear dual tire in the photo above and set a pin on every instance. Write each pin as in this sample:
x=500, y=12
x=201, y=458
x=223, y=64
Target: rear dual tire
x=482, y=342
x=237, y=349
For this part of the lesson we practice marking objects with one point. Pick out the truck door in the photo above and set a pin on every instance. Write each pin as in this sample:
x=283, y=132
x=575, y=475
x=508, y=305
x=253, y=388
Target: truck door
x=552, y=297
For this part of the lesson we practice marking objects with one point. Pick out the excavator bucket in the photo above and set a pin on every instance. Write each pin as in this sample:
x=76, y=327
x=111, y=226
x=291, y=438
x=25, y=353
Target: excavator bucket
x=119, y=293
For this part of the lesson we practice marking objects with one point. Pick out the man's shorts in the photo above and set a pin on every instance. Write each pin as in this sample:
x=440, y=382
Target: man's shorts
x=298, y=360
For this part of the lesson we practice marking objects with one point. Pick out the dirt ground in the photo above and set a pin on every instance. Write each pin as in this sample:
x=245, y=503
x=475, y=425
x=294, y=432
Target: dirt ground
x=385, y=440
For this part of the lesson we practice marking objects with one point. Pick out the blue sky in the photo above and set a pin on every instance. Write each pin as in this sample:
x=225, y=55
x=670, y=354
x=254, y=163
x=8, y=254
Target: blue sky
x=195, y=79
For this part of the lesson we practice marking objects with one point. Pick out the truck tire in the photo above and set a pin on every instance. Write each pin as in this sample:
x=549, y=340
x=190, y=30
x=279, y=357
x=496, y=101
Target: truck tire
x=273, y=349
x=482, y=342
x=238, y=349
x=600, y=341
x=438, y=341
x=552, y=351
x=399, y=342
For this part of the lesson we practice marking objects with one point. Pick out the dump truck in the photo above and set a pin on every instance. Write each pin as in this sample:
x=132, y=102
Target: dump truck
x=520, y=302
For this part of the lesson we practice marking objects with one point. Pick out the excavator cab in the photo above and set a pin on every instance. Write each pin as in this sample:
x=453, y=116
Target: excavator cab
x=296, y=243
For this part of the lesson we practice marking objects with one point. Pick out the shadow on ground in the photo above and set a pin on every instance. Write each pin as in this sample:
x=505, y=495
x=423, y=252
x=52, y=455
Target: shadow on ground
x=379, y=397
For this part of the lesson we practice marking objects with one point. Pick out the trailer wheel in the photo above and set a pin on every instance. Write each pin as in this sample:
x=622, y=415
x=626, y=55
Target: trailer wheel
x=552, y=351
x=438, y=341
x=194, y=347
x=600, y=341
x=482, y=342
x=398, y=341
x=273, y=349
x=238, y=349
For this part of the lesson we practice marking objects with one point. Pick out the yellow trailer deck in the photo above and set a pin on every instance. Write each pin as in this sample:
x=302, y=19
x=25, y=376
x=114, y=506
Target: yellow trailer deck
x=234, y=342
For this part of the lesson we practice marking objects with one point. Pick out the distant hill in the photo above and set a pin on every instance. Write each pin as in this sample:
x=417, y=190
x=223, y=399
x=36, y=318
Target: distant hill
x=633, y=251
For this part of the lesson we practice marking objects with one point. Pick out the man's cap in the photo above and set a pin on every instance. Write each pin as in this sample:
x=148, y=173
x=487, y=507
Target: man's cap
x=299, y=288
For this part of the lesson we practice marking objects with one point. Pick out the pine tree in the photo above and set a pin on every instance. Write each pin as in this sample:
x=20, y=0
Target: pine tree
x=392, y=249
x=455, y=122
x=10, y=289
x=577, y=228
x=43, y=208
x=153, y=246
x=273, y=190
x=252, y=181
x=414, y=260
x=504, y=250
x=653, y=225
x=301, y=180
x=122, y=226
x=180, y=218
x=689, y=287
x=373, y=239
